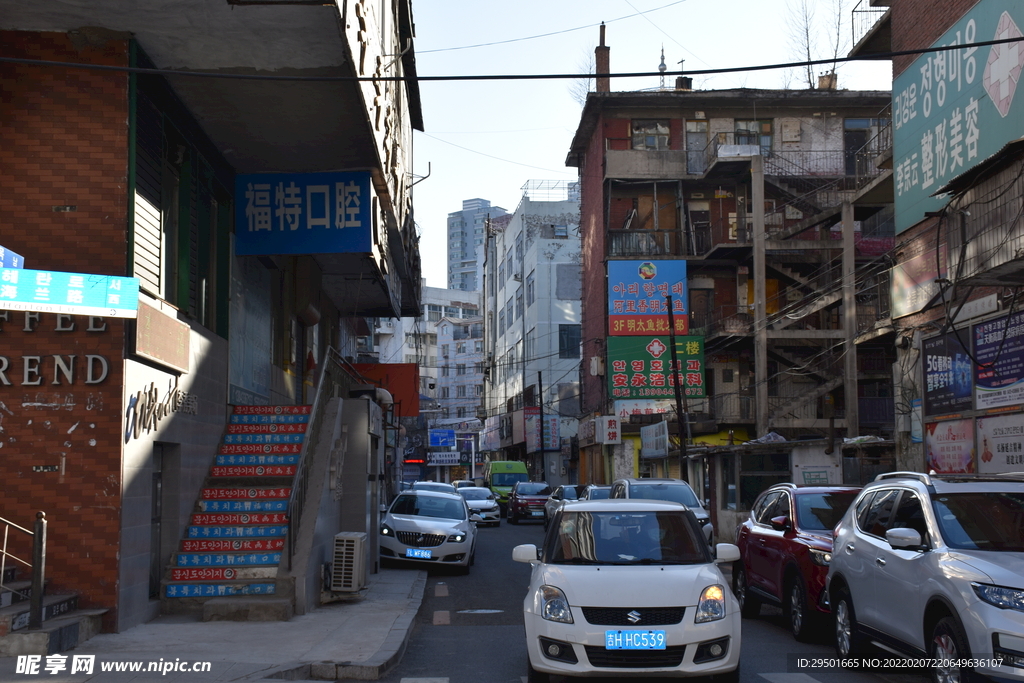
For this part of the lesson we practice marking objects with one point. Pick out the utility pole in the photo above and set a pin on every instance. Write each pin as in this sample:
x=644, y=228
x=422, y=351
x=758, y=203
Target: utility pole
x=540, y=407
x=682, y=412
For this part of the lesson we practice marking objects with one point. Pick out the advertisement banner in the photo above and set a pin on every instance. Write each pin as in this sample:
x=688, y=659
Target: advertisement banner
x=999, y=353
x=913, y=283
x=303, y=213
x=489, y=439
x=1001, y=443
x=654, y=440
x=947, y=374
x=949, y=447
x=636, y=297
x=552, y=441
x=955, y=108
x=640, y=367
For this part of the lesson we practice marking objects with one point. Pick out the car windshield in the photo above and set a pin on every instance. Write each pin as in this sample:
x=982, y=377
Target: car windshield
x=822, y=511
x=443, y=488
x=569, y=492
x=599, y=493
x=625, y=538
x=429, y=506
x=678, y=492
x=989, y=520
x=507, y=478
x=534, y=489
x=475, y=494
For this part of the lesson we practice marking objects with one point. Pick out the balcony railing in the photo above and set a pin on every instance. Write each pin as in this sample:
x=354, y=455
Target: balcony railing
x=878, y=410
x=723, y=320
x=864, y=18
x=642, y=243
x=732, y=407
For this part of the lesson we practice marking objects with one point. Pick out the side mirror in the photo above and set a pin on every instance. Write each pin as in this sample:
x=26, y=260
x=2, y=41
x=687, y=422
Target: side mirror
x=726, y=552
x=709, y=532
x=903, y=539
x=528, y=553
x=475, y=518
x=382, y=509
x=780, y=523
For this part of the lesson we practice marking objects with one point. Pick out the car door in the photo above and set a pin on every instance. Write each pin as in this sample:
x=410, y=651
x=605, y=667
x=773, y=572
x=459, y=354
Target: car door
x=757, y=561
x=899, y=585
x=861, y=550
x=773, y=544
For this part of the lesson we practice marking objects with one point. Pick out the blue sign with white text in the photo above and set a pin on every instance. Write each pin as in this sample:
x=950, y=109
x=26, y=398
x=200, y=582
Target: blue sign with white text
x=442, y=438
x=9, y=259
x=303, y=213
x=69, y=293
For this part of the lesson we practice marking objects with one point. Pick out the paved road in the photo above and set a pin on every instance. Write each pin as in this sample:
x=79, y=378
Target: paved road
x=470, y=628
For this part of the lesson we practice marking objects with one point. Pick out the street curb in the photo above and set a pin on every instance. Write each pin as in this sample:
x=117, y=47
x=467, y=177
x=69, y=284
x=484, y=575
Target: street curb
x=377, y=665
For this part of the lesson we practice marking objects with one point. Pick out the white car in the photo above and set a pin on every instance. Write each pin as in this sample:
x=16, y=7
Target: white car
x=482, y=502
x=629, y=588
x=558, y=496
x=933, y=566
x=665, y=489
x=430, y=527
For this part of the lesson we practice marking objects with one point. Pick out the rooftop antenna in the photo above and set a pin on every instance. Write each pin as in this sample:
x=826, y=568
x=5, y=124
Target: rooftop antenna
x=662, y=68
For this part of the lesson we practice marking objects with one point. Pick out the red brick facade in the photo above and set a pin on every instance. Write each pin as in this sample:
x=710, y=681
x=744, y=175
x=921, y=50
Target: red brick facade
x=919, y=23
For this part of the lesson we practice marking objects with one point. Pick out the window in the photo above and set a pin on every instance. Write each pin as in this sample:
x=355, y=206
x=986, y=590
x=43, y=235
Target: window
x=531, y=282
x=479, y=390
x=509, y=311
x=755, y=133
x=451, y=311
x=460, y=347
x=444, y=350
x=478, y=346
x=444, y=370
x=478, y=368
x=531, y=344
x=444, y=392
x=433, y=313
x=561, y=231
x=519, y=302
x=460, y=391
x=519, y=248
x=460, y=369
x=501, y=321
x=650, y=134
x=568, y=341
x=460, y=412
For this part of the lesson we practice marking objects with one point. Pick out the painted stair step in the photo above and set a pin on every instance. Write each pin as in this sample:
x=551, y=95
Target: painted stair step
x=243, y=505
x=16, y=591
x=251, y=493
x=272, y=410
x=267, y=429
x=237, y=531
x=259, y=454
x=253, y=471
x=228, y=545
x=268, y=419
x=223, y=573
x=203, y=590
x=16, y=616
x=221, y=560
x=263, y=438
x=233, y=518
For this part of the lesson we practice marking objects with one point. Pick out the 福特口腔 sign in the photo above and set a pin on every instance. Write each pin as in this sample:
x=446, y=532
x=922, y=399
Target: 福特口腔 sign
x=45, y=291
x=303, y=213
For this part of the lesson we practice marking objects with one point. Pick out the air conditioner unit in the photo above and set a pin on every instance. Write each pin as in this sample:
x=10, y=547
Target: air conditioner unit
x=348, y=568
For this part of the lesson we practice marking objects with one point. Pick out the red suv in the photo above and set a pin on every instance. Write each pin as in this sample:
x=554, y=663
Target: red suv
x=785, y=548
x=526, y=501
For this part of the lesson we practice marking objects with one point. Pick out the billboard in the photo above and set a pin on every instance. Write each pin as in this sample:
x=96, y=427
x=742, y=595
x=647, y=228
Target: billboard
x=947, y=374
x=955, y=108
x=641, y=367
x=303, y=213
x=636, y=297
x=999, y=353
x=1001, y=443
x=949, y=446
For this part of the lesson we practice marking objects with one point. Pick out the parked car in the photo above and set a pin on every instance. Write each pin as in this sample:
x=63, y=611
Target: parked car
x=561, y=493
x=460, y=483
x=526, y=501
x=665, y=489
x=933, y=566
x=629, y=588
x=785, y=547
x=427, y=526
x=595, y=492
x=438, y=486
x=483, y=502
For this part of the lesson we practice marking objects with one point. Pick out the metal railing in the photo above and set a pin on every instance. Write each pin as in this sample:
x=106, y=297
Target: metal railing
x=38, y=565
x=863, y=18
x=333, y=380
x=728, y=407
x=642, y=242
x=727, y=319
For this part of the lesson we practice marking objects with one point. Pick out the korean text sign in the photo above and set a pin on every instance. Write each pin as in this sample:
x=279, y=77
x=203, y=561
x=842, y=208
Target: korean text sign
x=641, y=367
x=69, y=293
x=303, y=213
x=955, y=108
x=999, y=352
x=636, y=297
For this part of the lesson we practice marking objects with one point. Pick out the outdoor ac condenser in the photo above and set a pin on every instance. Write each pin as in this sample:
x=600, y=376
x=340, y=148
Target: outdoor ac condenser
x=348, y=569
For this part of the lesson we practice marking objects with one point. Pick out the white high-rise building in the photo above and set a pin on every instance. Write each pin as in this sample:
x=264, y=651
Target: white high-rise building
x=465, y=239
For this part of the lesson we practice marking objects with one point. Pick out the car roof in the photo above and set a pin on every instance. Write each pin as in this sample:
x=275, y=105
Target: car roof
x=949, y=483
x=645, y=480
x=800, y=490
x=623, y=505
x=473, y=488
x=424, y=493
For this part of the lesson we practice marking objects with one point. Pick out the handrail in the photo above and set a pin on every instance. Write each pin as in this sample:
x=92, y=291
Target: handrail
x=38, y=565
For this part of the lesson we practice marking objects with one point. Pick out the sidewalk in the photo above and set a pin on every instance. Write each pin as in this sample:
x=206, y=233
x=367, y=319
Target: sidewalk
x=360, y=638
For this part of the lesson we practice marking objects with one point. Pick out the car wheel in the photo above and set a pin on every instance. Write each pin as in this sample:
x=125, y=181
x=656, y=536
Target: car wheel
x=948, y=643
x=750, y=606
x=796, y=609
x=848, y=640
x=534, y=676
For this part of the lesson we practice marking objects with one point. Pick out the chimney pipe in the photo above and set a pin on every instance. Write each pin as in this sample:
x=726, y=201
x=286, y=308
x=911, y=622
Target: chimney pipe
x=602, y=60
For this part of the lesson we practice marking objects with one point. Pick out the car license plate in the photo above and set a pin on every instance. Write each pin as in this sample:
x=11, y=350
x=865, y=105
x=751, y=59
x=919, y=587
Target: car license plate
x=537, y=513
x=419, y=553
x=634, y=640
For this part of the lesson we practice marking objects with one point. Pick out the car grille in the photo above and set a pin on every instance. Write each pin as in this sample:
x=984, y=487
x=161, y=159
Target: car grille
x=418, y=540
x=635, y=659
x=619, y=616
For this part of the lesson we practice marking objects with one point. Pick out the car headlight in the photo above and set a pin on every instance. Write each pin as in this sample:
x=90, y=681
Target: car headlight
x=457, y=537
x=711, y=606
x=820, y=557
x=385, y=530
x=553, y=605
x=1003, y=598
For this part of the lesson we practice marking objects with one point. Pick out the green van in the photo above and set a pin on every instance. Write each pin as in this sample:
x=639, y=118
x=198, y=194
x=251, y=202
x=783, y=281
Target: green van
x=501, y=475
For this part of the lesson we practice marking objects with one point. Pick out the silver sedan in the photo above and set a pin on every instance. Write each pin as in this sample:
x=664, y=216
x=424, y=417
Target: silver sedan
x=483, y=502
x=426, y=526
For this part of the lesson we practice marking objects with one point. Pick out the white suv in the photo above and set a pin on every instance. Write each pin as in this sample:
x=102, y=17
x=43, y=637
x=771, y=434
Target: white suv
x=933, y=566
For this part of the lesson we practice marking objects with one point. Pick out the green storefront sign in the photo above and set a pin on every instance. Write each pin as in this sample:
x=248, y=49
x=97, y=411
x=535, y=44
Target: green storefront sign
x=640, y=367
x=953, y=109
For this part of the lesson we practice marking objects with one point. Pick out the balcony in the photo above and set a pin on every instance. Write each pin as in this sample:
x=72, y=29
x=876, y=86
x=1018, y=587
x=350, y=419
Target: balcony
x=872, y=28
x=726, y=320
x=621, y=161
x=732, y=408
x=643, y=243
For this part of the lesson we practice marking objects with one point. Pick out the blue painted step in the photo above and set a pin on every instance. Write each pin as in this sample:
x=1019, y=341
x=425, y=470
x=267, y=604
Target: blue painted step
x=243, y=505
x=219, y=560
x=205, y=590
x=236, y=531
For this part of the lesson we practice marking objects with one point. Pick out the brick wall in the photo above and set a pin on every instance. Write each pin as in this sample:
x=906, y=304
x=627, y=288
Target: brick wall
x=919, y=23
x=595, y=296
x=64, y=143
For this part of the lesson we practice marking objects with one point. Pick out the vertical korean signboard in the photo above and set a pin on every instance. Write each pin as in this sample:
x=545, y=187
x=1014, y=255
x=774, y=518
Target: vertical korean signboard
x=636, y=297
x=641, y=367
x=303, y=213
x=952, y=109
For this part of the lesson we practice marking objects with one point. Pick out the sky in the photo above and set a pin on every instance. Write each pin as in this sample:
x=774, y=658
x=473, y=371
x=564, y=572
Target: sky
x=488, y=138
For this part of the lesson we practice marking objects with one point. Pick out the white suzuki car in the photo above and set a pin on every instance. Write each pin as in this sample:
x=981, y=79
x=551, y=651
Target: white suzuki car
x=629, y=587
